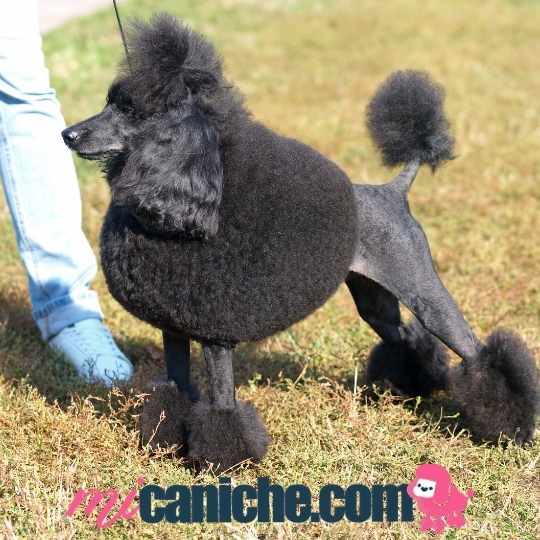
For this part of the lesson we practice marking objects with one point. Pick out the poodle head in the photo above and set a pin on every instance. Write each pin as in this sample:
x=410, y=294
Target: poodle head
x=110, y=133
x=159, y=135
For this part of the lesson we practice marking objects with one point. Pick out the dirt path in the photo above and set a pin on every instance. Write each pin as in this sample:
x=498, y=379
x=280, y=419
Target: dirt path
x=53, y=13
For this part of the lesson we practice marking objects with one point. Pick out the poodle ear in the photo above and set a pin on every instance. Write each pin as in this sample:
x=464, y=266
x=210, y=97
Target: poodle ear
x=173, y=178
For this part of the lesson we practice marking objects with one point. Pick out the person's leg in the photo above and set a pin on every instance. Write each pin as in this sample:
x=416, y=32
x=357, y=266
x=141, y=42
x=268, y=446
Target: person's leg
x=43, y=195
x=39, y=180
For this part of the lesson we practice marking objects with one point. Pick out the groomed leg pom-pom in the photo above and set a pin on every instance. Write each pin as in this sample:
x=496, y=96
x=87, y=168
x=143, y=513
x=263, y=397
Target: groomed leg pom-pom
x=226, y=437
x=498, y=392
x=416, y=366
x=164, y=416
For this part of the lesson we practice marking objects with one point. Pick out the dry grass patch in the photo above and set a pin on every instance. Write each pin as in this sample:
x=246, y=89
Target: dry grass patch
x=308, y=69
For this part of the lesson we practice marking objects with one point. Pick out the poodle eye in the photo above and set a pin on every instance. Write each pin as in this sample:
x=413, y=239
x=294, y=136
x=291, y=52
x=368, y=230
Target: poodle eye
x=431, y=487
x=124, y=103
x=126, y=106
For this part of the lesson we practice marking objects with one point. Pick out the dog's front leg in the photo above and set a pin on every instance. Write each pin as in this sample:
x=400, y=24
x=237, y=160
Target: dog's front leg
x=168, y=405
x=219, y=368
x=222, y=430
x=178, y=362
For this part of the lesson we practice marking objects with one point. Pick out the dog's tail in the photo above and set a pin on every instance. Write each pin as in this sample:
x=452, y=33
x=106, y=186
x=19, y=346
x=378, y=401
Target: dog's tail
x=406, y=121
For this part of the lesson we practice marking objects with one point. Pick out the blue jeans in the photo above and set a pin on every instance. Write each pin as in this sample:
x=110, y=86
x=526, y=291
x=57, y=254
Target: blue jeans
x=39, y=179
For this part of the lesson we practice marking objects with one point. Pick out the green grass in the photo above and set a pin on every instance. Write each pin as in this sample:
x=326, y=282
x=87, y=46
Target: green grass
x=307, y=69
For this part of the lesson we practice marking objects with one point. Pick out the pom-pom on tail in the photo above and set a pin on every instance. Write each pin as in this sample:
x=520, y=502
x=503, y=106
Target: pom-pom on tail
x=406, y=120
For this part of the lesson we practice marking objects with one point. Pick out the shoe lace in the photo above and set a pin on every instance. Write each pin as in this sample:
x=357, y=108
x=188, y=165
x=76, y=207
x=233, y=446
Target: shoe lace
x=88, y=341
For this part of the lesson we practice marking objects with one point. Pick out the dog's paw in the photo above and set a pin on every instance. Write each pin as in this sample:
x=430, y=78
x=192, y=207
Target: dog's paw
x=226, y=437
x=163, y=420
x=498, y=392
x=416, y=366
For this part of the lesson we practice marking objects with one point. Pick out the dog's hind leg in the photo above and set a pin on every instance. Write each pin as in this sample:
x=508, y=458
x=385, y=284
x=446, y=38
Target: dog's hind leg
x=164, y=417
x=222, y=430
x=393, y=251
x=497, y=384
x=409, y=360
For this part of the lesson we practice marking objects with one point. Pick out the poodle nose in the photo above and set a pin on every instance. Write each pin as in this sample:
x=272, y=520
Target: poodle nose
x=424, y=488
x=70, y=136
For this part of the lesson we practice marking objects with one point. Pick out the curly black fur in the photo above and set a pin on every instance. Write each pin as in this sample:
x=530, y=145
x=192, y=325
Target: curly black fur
x=416, y=366
x=226, y=437
x=172, y=181
x=219, y=228
x=498, y=392
x=167, y=62
x=163, y=421
x=407, y=122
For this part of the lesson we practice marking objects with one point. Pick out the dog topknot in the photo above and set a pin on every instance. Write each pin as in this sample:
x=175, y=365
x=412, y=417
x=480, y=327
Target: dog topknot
x=167, y=61
x=406, y=120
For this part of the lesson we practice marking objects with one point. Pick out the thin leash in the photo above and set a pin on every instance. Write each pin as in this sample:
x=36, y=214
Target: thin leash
x=120, y=27
x=177, y=350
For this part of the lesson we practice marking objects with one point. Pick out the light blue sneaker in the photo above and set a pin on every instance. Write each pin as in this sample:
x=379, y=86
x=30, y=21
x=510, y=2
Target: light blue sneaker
x=90, y=348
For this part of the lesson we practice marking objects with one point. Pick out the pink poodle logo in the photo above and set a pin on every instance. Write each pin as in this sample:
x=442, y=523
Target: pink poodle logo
x=439, y=501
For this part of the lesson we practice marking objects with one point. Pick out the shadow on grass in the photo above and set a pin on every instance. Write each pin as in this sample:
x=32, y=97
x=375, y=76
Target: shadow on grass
x=25, y=358
x=437, y=412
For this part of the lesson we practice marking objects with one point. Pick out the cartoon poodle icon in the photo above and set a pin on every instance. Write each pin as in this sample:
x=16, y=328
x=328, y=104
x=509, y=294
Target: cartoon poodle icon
x=439, y=501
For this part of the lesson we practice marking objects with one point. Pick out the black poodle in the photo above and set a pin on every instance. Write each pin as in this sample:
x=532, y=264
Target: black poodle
x=223, y=231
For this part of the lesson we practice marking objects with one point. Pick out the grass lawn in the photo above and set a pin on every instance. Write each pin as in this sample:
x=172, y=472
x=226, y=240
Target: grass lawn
x=308, y=69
